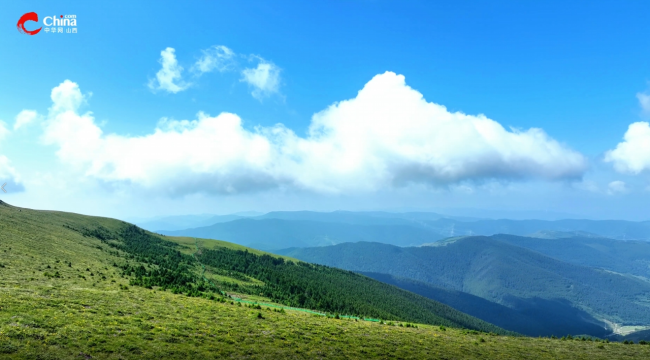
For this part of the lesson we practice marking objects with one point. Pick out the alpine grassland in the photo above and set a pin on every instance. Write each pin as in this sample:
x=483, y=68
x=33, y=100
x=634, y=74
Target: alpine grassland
x=81, y=287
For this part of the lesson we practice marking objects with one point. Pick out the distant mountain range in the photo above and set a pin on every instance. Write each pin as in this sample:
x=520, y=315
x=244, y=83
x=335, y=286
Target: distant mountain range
x=274, y=234
x=548, y=282
x=171, y=223
x=278, y=230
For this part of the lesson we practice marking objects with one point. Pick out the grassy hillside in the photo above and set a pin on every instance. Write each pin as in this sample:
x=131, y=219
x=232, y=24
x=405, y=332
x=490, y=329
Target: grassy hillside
x=499, y=272
x=189, y=245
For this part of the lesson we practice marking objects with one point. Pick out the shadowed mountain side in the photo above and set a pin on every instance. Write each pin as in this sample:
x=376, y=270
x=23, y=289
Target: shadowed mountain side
x=272, y=234
x=635, y=336
x=496, y=271
x=532, y=317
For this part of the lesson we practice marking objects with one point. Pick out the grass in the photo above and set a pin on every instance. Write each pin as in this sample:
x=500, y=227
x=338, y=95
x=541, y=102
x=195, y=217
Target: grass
x=89, y=311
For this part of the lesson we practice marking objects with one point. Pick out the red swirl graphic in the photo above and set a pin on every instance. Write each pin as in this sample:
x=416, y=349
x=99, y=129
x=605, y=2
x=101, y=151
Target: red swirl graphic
x=30, y=16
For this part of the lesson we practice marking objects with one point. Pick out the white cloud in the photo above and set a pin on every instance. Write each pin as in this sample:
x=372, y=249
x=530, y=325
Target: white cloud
x=218, y=57
x=644, y=101
x=265, y=79
x=388, y=136
x=25, y=118
x=632, y=155
x=169, y=78
x=616, y=187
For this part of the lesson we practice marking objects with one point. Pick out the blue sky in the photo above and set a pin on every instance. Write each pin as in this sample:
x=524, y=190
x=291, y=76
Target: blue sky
x=577, y=70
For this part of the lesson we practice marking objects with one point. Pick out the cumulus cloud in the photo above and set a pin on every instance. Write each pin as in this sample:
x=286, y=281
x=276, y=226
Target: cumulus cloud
x=644, y=101
x=25, y=118
x=216, y=58
x=264, y=79
x=616, y=187
x=632, y=155
x=169, y=78
x=387, y=136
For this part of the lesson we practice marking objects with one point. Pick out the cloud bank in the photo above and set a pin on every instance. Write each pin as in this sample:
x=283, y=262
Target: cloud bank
x=387, y=136
x=632, y=155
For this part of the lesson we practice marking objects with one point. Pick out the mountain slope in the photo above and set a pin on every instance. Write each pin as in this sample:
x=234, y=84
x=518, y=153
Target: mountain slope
x=623, y=256
x=496, y=271
x=535, y=317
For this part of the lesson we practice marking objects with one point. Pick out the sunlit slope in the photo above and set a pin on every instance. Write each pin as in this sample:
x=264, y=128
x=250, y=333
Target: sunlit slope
x=190, y=244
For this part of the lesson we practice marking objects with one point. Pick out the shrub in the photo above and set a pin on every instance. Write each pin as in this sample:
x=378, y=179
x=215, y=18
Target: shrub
x=8, y=348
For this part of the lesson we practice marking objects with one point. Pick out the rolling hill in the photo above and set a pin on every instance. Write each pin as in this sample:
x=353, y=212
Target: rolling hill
x=622, y=256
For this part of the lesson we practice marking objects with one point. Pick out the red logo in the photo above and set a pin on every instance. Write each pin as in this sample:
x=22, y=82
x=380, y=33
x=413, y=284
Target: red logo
x=31, y=16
